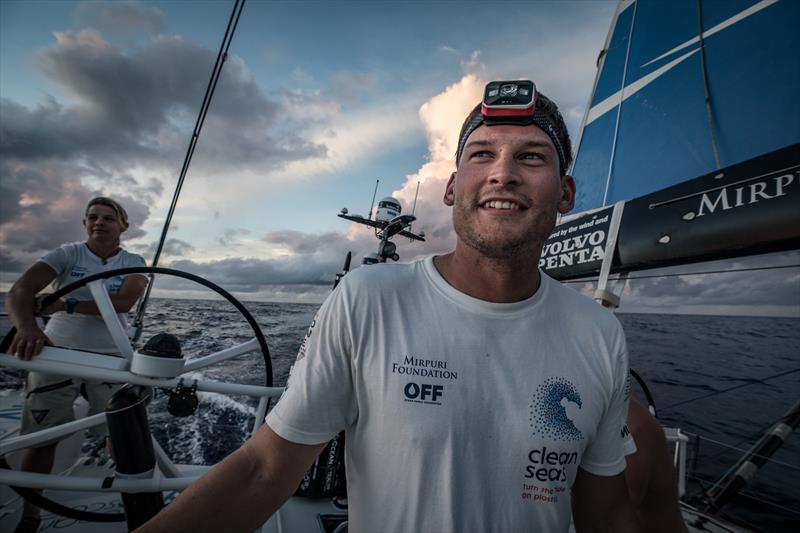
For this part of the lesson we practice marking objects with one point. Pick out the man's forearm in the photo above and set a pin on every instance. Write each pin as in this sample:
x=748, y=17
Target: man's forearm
x=20, y=304
x=241, y=492
x=233, y=496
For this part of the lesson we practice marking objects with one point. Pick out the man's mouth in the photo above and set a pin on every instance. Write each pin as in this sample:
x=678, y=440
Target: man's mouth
x=500, y=204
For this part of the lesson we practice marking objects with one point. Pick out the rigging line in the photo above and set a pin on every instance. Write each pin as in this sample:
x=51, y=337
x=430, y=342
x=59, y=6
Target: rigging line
x=709, y=114
x=754, y=382
x=752, y=437
x=732, y=270
x=222, y=55
x=767, y=502
x=743, y=450
x=701, y=480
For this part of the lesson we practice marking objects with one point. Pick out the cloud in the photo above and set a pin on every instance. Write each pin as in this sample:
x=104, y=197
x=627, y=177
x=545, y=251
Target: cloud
x=172, y=248
x=295, y=242
x=42, y=207
x=124, y=129
x=441, y=118
x=230, y=236
x=766, y=291
x=252, y=274
x=121, y=19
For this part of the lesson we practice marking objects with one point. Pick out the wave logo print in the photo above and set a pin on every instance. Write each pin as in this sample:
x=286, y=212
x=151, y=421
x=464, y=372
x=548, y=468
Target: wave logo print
x=548, y=414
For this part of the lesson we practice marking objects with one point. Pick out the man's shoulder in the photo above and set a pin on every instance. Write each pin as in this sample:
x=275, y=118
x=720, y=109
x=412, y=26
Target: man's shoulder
x=579, y=307
x=384, y=275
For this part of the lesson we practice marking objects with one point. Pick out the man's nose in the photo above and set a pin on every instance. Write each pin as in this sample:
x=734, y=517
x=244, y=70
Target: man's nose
x=504, y=170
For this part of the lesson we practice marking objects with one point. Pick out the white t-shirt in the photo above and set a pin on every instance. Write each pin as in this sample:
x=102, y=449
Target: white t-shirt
x=72, y=262
x=461, y=414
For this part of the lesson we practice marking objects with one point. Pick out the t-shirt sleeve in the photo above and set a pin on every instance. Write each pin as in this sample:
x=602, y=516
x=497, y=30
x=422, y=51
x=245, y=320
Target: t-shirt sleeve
x=134, y=260
x=318, y=401
x=60, y=259
x=605, y=455
x=137, y=261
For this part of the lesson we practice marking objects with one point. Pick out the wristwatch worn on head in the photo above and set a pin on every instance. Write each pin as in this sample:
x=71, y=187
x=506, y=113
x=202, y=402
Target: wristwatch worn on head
x=71, y=303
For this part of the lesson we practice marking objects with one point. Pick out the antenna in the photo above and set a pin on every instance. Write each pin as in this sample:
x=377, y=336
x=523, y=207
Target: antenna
x=369, y=217
x=414, y=208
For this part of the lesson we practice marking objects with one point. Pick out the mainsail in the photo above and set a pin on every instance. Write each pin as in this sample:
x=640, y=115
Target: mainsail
x=692, y=130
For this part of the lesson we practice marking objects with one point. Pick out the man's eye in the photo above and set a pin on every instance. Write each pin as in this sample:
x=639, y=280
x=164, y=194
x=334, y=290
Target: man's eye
x=531, y=155
x=481, y=153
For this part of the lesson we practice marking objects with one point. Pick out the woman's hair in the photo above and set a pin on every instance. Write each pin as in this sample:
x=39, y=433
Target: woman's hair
x=122, y=215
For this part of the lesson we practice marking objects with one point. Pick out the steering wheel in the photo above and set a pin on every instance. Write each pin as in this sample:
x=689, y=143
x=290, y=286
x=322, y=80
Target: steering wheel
x=109, y=316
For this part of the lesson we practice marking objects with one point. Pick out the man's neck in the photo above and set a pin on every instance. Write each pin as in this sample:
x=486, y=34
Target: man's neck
x=505, y=280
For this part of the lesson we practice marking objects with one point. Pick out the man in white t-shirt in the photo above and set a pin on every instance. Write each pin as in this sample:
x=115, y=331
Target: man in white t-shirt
x=74, y=323
x=476, y=393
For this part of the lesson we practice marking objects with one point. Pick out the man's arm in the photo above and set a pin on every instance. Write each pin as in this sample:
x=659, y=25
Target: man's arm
x=652, y=480
x=21, y=304
x=600, y=504
x=241, y=492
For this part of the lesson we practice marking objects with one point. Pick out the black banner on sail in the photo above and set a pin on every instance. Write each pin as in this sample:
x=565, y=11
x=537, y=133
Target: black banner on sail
x=749, y=208
x=576, y=248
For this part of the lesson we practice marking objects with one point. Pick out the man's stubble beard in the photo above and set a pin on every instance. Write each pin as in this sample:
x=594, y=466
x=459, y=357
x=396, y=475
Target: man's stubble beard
x=529, y=242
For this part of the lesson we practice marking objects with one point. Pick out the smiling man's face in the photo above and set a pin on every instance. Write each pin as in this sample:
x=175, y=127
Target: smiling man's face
x=507, y=191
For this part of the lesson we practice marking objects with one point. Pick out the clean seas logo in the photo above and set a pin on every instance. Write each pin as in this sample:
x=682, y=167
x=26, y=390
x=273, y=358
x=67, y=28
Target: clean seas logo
x=548, y=414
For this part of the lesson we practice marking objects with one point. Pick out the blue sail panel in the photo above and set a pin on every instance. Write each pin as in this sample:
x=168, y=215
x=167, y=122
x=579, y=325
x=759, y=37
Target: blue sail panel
x=597, y=138
x=610, y=79
x=664, y=133
x=660, y=143
x=754, y=81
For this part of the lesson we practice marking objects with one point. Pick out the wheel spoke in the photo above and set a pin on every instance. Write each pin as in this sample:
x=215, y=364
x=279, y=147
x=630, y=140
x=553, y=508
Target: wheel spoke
x=222, y=355
x=109, y=314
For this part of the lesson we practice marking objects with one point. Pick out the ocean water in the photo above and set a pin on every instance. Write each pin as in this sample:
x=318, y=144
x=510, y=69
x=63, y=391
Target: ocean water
x=686, y=360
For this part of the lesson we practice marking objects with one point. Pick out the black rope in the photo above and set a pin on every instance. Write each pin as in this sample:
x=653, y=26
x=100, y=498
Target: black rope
x=646, y=390
x=731, y=270
x=706, y=92
x=751, y=382
x=222, y=56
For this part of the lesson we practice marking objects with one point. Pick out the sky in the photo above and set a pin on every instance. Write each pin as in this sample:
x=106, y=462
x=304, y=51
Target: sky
x=316, y=102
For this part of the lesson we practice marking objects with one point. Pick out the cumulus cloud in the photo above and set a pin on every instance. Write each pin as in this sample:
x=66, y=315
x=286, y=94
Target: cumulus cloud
x=441, y=117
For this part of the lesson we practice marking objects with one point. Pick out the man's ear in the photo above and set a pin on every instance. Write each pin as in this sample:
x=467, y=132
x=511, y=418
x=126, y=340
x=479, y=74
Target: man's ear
x=567, y=201
x=449, y=195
